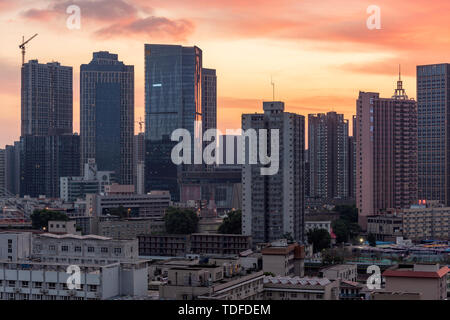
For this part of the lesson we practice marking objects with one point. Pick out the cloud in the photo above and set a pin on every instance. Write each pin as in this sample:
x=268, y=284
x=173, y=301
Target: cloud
x=155, y=27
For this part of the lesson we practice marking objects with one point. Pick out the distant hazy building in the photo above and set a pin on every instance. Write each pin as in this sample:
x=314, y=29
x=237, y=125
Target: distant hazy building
x=433, y=108
x=139, y=162
x=12, y=168
x=209, y=99
x=93, y=181
x=386, y=149
x=107, y=114
x=273, y=205
x=47, y=98
x=328, y=155
x=3, y=191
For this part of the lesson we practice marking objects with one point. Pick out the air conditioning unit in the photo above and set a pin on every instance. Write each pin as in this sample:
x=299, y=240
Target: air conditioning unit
x=17, y=290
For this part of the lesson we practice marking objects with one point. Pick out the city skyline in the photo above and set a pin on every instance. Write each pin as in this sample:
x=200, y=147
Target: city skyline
x=337, y=62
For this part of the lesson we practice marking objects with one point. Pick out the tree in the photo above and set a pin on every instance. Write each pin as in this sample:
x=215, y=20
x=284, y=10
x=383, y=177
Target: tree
x=346, y=227
x=232, y=223
x=180, y=221
x=372, y=240
x=320, y=239
x=332, y=256
x=120, y=211
x=288, y=236
x=40, y=218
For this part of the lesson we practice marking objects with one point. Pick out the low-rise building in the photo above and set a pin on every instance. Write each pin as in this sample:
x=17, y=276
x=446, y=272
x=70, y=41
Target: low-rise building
x=31, y=280
x=163, y=245
x=220, y=244
x=296, y=288
x=69, y=248
x=340, y=272
x=208, y=282
x=153, y=204
x=62, y=227
x=196, y=243
x=283, y=259
x=350, y=290
x=130, y=228
x=15, y=245
x=427, y=280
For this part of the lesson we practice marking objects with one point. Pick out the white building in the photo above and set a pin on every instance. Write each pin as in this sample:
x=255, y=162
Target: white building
x=15, y=245
x=89, y=249
x=26, y=280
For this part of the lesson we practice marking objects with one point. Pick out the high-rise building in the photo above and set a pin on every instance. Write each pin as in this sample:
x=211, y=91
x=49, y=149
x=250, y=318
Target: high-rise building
x=273, y=205
x=209, y=99
x=47, y=102
x=352, y=161
x=107, y=114
x=173, y=78
x=44, y=160
x=13, y=168
x=386, y=149
x=328, y=155
x=173, y=100
x=433, y=108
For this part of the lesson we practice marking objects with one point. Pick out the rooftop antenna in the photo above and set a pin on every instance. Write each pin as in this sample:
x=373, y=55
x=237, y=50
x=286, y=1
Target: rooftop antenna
x=400, y=92
x=22, y=46
x=273, y=88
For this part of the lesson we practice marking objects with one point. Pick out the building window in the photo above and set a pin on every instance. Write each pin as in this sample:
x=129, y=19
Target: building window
x=77, y=249
x=64, y=248
x=117, y=250
x=104, y=250
x=91, y=249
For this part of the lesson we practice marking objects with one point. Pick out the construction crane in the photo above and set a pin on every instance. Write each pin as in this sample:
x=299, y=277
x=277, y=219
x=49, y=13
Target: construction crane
x=140, y=124
x=22, y=46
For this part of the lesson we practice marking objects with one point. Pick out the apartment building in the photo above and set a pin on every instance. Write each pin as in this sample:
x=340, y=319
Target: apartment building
x=163, y=245
x=196, y=243
x=296, y=288
x=220, y=244
x=428, y=220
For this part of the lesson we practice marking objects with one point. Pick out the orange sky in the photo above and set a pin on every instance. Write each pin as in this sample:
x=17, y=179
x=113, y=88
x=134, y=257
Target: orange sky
x=319, y=53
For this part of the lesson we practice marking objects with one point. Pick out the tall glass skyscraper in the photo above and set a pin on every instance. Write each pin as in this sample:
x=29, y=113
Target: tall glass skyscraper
x=172, y=89
x=173, y=99
x=433, y=100
x=107, y=114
